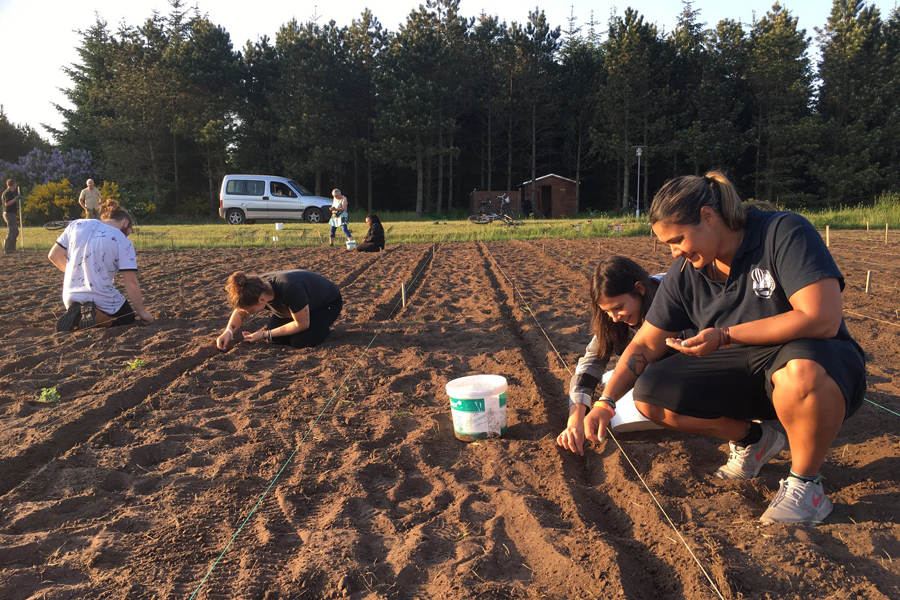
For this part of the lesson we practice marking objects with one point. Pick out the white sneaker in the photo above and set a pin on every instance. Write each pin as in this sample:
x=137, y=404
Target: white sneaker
x=798, y=501
x=746, y=462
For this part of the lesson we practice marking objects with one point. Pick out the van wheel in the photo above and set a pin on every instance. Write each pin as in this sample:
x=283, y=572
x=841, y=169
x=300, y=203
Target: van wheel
x=314, y=215
x=235, y=216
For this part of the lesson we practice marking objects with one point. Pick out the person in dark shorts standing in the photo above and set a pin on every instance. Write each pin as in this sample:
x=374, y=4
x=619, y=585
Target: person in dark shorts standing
x=764, y=294
x=10, y=200
x=303, y=305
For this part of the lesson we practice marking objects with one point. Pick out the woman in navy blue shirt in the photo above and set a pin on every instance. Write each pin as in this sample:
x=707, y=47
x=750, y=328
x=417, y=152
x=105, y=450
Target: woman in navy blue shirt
x=765, y=295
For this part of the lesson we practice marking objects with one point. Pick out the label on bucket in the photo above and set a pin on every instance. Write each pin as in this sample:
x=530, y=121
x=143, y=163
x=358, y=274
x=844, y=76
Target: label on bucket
x=479, y=418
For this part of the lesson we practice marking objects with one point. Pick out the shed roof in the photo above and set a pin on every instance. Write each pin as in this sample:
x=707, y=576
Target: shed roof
x=550, y=175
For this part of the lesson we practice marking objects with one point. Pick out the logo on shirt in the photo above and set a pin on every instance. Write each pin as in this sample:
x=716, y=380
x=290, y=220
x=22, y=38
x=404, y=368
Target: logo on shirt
x=763, y=283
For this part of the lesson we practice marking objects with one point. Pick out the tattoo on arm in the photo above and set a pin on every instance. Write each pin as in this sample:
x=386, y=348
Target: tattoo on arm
x=637, y=364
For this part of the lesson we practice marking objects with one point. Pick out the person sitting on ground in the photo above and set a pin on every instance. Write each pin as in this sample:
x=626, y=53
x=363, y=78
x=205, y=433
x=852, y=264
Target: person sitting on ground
x=621, y=293
x=304, y=305
x=339, y=216
x=764, y=294
x=90, y=253
x=374, y=240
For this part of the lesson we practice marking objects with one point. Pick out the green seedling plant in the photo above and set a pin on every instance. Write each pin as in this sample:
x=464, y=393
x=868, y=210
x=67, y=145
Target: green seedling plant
x=48, y=396
x=135, y=364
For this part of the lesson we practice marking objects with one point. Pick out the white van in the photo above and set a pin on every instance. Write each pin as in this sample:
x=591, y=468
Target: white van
x=245, y=198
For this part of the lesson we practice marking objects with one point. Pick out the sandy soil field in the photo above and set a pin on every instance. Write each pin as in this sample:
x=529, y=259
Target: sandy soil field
x=271, y=473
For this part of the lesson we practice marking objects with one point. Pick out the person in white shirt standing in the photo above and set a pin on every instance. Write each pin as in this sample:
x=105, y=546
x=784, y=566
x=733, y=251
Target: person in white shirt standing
x=90, y=200
x=90, y=253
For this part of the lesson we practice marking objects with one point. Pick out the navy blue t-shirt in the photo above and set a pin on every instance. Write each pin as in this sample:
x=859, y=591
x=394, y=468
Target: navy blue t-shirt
x=781, y=253
x=298, y=289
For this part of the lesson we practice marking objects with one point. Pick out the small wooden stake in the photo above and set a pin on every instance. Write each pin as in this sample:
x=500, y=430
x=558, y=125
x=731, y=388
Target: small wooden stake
x=885, y=233
x=655, y=242
x=827, y=236
x=403, y=293
x=181, y=292
x=868, y=280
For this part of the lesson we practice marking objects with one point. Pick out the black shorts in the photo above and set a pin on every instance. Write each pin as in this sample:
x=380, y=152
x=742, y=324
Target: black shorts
x=123, y=316
x=737, y=382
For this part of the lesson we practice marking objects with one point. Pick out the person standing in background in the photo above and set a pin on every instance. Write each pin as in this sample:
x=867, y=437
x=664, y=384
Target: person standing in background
x=339, y=217
x=90, y=200
x=10, y=199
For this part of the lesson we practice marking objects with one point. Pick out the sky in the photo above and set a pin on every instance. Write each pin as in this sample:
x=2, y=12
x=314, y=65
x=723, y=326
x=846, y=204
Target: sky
x=40, y=36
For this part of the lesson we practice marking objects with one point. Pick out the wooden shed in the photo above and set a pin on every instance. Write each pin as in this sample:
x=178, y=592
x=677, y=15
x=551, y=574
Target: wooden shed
x=476, y=197
x=554, y=196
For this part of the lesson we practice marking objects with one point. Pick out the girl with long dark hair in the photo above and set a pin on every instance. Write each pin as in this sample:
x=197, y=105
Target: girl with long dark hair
x=621, y=293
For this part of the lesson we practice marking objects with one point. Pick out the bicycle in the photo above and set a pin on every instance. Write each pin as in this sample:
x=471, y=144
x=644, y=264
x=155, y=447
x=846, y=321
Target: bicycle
x=485, y=214
x=55, y=225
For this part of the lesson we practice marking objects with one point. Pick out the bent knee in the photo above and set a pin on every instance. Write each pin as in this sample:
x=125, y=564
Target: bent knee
x=801, y=377
x=657, y=414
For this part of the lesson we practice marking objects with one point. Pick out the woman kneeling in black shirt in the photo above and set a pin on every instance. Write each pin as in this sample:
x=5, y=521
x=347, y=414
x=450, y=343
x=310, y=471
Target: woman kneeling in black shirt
x=304, y=305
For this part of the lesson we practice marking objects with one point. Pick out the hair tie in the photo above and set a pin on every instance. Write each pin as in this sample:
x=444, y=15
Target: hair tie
x=708, y=180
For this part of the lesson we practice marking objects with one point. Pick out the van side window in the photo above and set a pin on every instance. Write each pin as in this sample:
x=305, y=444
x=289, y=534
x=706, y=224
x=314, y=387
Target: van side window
x=280, y=189
x=255, y=188
x=243, y=187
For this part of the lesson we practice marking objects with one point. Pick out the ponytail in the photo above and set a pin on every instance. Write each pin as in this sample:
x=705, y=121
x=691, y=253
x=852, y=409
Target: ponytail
x=244, y=290
x=111, y=210
x=679, y=200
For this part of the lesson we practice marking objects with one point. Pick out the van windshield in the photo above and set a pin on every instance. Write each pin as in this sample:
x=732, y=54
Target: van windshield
x=300, y=189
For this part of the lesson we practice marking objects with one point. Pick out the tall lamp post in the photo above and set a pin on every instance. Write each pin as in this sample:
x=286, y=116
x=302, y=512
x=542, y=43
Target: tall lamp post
x=638, y=199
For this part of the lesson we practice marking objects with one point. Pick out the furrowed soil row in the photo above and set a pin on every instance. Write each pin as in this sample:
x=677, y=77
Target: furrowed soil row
x=78, y=428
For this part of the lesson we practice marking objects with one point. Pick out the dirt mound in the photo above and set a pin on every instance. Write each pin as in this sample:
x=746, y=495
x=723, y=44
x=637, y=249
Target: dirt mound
x=162, y=449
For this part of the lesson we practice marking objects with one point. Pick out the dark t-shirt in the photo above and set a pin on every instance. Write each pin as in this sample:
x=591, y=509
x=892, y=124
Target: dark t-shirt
x=375, y=236
x=295, y=290
x=5, y=197
x=781, y=254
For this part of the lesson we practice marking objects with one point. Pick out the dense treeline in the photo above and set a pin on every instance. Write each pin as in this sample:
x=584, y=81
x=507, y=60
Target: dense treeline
x=416, y=118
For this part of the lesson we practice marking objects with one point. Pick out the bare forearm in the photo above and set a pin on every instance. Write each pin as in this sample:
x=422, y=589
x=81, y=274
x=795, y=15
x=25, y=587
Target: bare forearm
x=783, y=328
x=58, y=257
x=633, y=362
x=235, y=320
x=133, y=288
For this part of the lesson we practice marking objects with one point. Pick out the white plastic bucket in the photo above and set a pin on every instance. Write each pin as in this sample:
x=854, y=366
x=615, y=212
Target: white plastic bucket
x=279, y=226
x=351, y=244
x=478, y=406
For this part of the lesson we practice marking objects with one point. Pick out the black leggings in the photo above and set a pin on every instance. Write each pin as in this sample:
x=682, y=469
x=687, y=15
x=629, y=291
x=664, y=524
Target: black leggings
x=320, y=321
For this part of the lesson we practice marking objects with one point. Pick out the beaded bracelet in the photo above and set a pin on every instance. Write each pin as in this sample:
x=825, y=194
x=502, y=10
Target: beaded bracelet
x=606, y=404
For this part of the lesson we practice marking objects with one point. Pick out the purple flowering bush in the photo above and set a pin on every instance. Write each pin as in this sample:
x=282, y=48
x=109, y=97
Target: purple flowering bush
x=39, y=167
